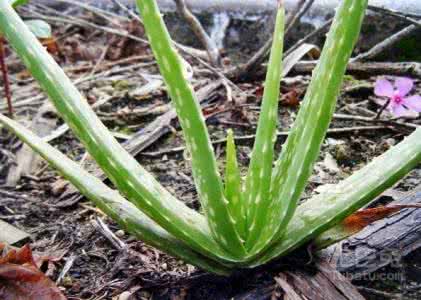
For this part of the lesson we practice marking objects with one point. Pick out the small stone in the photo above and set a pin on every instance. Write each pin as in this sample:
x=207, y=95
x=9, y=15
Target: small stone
x=58, y=187
x=331, y=164
x=387, y=144
x=125, y=296
x=342, y=153
x=120, y=233
x=391, y=141
x=67, y=281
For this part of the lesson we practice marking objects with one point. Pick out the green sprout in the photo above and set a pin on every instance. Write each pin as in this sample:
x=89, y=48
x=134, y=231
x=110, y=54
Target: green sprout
x=244, y=224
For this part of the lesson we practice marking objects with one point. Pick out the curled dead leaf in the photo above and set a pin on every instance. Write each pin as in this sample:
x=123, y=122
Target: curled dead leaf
x=51, y=45
x=20, y=279
x=357, y=222
x=361, y=219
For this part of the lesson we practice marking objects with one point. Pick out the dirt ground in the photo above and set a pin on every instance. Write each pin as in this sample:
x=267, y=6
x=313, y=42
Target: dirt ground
x=85, y=263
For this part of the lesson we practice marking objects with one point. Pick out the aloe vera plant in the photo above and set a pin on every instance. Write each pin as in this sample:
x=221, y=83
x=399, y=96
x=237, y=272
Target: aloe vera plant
x=245, y=223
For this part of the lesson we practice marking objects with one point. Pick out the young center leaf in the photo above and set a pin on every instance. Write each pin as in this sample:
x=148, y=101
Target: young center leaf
x=207, y=179
x=233, y=186
x=259, y=175
x=302, y=147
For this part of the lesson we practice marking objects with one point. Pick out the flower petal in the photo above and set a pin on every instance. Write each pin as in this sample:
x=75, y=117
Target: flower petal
x=404, y=85
x=384, y=88
x=399, y=111
x=413, y=102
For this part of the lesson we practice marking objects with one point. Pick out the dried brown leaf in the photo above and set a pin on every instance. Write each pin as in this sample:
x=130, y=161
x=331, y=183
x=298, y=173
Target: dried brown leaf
x=20, y=279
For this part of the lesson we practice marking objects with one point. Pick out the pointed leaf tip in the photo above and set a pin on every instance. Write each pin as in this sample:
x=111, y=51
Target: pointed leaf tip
x=233, y=183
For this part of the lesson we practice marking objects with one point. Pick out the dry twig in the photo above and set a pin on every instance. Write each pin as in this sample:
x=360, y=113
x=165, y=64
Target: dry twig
x=367, y=69
x=311, y=35
x=200, y=33
x=109, y=235
x=260, y=56
x=385, y=44
x=394, y=13
x=280, y=134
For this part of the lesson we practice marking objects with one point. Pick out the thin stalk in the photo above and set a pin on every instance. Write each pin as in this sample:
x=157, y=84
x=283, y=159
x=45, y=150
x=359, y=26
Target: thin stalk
x=5, y=75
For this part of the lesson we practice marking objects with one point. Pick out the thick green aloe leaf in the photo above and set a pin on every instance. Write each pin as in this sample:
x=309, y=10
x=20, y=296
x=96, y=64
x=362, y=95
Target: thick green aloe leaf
x=112, y=203
x=123, y=170
x=205, y=172
x=258, y=179
x=302, y=147
x=233, y=187
x=324, y=211
x=332, y=236
x=39, y=28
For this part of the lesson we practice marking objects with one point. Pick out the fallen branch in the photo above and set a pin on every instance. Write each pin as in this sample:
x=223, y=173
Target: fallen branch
x=386, y=44
x=251, y=137
x=326, y=283
x=394, y=123
x=367, y=69
x=290, y=279
x=385, y=242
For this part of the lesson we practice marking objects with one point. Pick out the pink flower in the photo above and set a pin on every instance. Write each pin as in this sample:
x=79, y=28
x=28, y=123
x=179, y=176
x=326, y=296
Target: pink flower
x=398, y=103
